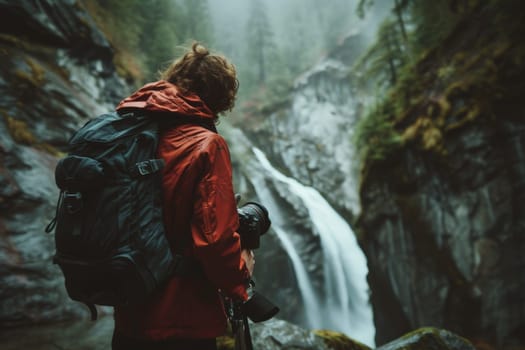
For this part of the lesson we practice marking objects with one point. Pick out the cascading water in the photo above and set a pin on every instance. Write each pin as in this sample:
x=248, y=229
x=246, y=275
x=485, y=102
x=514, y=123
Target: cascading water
x=345, y=306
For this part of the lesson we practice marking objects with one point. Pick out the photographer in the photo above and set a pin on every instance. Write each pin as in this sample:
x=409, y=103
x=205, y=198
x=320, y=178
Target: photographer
x=200, y=213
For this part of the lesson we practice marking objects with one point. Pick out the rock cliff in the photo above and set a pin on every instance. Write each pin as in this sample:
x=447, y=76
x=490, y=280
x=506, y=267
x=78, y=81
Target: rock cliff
x=56, y=70
x=442, y=221
x=310, y=133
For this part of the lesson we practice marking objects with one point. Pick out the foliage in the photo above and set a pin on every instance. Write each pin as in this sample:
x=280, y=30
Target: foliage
x=260, y=40
x=197, y=22
x=414, y=27
x=363, y=6
x=375, y=137
x=145, y=34
x=159, y=35
x=384, y=58
x=463, y=70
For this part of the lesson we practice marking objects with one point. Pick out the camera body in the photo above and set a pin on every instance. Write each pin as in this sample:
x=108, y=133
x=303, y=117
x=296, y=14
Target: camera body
x=253, y=223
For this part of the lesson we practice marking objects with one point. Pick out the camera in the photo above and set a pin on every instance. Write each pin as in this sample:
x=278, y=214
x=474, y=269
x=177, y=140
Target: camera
x=253, y=223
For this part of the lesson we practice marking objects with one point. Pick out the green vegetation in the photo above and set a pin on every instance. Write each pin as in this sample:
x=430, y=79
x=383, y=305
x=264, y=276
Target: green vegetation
x=260, y=40
x=375, y=137
x=339, y=341
x=464, y=70
x=394, y=65
x=145, y=34
x=383, y=59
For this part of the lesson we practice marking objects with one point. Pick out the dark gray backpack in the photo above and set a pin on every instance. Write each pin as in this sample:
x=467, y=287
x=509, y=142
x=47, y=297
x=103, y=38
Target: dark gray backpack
x=110, y=240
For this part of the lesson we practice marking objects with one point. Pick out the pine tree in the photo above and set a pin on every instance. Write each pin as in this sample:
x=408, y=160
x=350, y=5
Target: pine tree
x=430, y=21
x=160, y=33
x=399, y=8
x=363, y=6
x=197, y=24
x=383, y=59
x=260, y=40
x=298, y=47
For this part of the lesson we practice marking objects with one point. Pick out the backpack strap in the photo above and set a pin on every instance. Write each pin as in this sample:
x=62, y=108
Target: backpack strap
x=184, y=266
x=93, y=310
x=53, y=223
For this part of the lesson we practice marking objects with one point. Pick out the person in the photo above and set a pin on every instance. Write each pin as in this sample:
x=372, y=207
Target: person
x=199, y=204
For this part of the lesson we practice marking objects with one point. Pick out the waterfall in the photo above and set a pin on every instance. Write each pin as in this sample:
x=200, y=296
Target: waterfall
x=346, y=306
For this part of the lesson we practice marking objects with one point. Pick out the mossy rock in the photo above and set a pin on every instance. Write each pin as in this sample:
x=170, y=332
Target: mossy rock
x=21, y=133
x=339, y=341
x=19, y=130
x=225, y=343
x=429, y=339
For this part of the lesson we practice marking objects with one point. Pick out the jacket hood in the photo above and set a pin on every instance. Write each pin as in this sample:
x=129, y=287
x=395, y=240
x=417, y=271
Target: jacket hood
x=162, y=96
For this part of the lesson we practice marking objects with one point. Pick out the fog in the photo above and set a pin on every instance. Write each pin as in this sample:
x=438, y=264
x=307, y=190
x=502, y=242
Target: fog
x=298, y=33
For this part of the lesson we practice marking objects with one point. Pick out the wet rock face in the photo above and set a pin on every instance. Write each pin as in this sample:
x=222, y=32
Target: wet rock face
x=56, y=72
x=443, y=224
x=444, y=236
x=312, y=136
x=57, y=23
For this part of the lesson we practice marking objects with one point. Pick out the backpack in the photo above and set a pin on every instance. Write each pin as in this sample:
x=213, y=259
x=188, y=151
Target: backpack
x=109, y=232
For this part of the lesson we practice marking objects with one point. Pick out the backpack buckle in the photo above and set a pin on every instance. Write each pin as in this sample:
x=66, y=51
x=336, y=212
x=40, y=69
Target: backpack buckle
x=149, y=166
x=144, y=168
x=72, y=201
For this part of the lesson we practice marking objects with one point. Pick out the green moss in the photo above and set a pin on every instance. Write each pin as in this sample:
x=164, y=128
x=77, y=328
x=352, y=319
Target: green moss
x=20, y=132
x=225, y=343
x=375, y=137
x=339, y=341
x=34, y=79
x=37, y=71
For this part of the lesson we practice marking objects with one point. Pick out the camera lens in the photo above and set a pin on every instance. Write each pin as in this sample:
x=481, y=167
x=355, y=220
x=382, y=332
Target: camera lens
x=253, y=222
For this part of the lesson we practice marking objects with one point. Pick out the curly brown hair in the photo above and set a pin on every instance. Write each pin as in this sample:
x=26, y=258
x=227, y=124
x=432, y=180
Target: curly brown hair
x=210, y=76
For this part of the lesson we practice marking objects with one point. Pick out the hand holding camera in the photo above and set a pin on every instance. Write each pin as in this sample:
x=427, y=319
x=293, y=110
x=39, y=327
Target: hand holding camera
x=249, y=259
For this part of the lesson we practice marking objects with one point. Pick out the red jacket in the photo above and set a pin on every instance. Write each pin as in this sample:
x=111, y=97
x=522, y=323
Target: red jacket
x=198, y=203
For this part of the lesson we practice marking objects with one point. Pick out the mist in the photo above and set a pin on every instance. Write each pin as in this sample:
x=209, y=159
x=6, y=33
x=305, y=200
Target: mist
x=299, y=33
